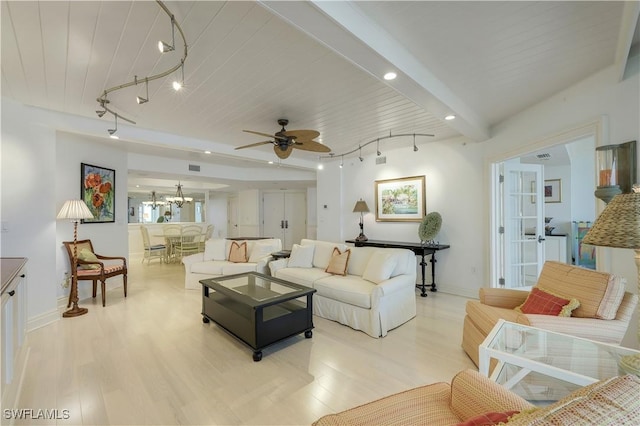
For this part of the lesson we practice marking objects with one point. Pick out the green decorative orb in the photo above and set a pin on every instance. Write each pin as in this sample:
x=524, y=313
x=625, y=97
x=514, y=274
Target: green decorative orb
x=430, y=226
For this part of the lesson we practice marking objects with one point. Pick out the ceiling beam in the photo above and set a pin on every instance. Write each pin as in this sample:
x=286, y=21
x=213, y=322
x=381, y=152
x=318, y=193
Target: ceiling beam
x=630, y=17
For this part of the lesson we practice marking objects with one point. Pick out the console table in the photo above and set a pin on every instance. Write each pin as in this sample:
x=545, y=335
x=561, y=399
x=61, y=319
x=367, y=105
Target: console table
x=419, y=249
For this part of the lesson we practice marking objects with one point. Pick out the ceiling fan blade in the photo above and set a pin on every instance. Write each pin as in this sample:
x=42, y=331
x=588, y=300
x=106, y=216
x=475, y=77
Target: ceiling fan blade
x=266, y=134
x=254, y=144
x=283, y=154
x=259, y=133
x=311, y=146
x=306, y=135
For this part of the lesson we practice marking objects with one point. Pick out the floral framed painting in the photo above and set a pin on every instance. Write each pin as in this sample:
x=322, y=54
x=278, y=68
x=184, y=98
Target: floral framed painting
x=400, y=200
x=98, y=191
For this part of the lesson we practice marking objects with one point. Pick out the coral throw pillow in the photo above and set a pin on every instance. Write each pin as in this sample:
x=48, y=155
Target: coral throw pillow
x=489, y=419
x=339, y=262
x=238, y=252
x=542, y=302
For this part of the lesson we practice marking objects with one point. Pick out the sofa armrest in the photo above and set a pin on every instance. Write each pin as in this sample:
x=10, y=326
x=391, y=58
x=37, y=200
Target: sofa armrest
x=396, y=283
x=191, y=259
x=502, y=297
x=607, y=331
x=262, y=264
x=473, y=394
x=277, y=264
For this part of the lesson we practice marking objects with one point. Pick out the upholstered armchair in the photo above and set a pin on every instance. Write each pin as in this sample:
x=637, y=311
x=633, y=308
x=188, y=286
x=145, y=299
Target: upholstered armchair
x=91, y=266
x=603, y=315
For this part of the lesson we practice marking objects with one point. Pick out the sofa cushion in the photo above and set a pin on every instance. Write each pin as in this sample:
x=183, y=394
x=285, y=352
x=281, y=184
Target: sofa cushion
x=238, y=252
x=237, y=268
x=262, y=249
x=359, y=259
x=215, y=249
x=380, y=266
x=339, y=262
x=211, y=267
x=301, y=256
x=302, y=276
x=348, y=289
x=613, y=402
x=403, y=262
x=586, y=285
x=543, y=302
x=322, y=252
x=612, y=298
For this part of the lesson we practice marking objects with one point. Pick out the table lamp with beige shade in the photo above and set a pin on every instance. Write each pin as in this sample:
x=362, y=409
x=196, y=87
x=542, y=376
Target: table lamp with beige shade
x=619, y=226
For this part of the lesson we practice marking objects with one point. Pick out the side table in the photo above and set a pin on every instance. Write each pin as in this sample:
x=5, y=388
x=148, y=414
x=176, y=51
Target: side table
x=282, y=254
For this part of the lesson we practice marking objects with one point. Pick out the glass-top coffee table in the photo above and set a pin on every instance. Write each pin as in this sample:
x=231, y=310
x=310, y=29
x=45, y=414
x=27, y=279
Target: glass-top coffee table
x=258, y=309
x=539, y=364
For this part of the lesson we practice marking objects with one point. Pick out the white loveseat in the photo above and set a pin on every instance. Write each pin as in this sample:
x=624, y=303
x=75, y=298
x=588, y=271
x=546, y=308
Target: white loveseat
x=376, y=295
x=214, y=261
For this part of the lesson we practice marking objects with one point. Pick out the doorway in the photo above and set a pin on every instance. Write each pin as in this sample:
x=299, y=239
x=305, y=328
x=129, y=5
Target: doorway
x=512, y=259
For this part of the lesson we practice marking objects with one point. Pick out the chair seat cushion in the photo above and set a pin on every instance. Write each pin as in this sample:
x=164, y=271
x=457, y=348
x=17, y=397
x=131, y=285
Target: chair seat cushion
x=96, y=272
x=485, y=316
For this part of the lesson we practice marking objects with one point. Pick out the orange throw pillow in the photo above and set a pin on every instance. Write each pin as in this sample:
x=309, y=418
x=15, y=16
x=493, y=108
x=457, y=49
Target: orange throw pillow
x=339, y=262
x=542, y=302
x=238, y=252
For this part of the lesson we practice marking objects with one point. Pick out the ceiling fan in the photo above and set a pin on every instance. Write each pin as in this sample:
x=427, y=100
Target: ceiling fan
x=285, y=140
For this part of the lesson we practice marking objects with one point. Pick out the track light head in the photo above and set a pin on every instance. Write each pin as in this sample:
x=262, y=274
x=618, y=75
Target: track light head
x=361, y=159
x=140, y=100
x=164, y=47
x=177, y=85
x=101, y=113
x=415, y=148
x=378, y=153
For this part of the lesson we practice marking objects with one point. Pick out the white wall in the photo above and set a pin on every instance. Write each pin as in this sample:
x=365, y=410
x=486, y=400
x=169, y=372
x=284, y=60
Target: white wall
x=560, y=212
x=217, y=213
x=29, y=201
x=109, y=239
x=453, y=175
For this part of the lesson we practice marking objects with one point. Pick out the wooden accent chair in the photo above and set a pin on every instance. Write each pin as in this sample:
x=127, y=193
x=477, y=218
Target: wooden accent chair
x=94, y=270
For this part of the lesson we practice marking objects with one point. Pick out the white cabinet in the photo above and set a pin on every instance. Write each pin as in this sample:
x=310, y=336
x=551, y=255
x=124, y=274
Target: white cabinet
x=284, y=216
x=555, y=248
x=13, y=325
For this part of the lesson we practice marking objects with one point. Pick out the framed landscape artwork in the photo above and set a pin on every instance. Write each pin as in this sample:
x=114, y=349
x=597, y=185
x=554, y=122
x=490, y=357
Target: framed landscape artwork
x=552, y=191
x=98, y=191
x=400, y=200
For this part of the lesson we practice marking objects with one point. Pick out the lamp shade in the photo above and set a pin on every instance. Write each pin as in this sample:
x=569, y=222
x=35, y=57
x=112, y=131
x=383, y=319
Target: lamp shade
x=74, y=210
x=361, y=207
x=619, y=224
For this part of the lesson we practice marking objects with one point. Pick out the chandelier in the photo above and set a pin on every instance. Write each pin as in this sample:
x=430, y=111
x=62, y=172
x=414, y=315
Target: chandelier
x=179, y=199
x=154, y=201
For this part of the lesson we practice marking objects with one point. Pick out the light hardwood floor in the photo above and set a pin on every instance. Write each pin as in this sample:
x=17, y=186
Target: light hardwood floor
x=149, y=359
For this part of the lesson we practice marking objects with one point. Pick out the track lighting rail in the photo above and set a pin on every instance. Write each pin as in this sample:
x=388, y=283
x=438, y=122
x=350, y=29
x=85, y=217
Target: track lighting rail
x=102, y=99
x=377, y=141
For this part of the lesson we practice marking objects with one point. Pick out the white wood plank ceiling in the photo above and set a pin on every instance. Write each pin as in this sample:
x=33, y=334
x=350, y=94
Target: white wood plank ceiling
x=319, y=64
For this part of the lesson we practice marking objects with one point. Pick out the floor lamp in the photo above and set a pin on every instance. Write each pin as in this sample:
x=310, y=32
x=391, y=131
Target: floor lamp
x=619, y=226
x=361, y=207
x=74, y=210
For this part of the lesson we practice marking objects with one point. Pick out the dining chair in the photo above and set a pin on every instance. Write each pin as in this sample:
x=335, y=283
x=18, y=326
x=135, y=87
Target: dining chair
x=90, y=266
x=171, y=234
x=207, y=236
x=189, y=242
x=158, y=251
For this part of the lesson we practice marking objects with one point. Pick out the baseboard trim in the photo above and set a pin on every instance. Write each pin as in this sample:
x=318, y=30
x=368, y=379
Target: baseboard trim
x=44, y=319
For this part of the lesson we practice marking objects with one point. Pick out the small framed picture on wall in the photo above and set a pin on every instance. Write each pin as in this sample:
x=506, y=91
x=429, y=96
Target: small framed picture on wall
x=552, y=191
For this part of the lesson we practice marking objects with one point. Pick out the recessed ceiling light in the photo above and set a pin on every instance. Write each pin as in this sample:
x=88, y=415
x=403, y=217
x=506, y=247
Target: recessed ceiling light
x=390, y=76
x=270, y=162
x=450, y=117
x=320, y=166
x=207, y=152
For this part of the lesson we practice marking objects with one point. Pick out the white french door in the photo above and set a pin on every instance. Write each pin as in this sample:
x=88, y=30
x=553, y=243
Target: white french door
x=519, y=224
x=284, y=216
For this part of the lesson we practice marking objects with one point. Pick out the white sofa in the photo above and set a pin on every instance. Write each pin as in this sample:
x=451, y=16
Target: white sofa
x=376, y=295
x=214, y=261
